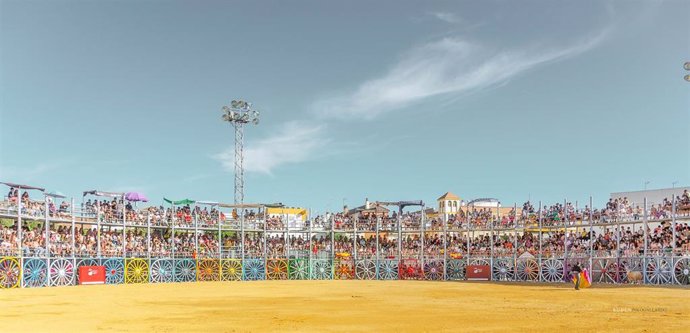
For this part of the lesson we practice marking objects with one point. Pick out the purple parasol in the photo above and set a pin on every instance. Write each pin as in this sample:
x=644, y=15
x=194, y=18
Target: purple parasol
x=136, y=196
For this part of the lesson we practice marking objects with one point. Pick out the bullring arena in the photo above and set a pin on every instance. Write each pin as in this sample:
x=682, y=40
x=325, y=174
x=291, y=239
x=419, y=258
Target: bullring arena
x=207, y=266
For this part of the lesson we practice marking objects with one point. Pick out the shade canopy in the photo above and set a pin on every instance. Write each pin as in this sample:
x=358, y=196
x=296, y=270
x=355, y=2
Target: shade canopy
x=23, y=187
x=103, y=194
x=180, y=202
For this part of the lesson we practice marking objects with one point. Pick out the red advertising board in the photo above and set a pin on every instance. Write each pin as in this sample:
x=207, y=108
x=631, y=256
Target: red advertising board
x=478, y=272
x=92, y=275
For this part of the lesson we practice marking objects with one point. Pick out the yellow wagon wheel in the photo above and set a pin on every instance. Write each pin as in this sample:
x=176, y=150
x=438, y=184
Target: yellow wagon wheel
x=277, y=269
x=10, y=273
x=231, y=270
x=208, y=270
x=136, y=271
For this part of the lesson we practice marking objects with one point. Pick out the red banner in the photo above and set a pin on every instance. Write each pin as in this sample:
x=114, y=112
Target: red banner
x=479, y=272
x=92, y=275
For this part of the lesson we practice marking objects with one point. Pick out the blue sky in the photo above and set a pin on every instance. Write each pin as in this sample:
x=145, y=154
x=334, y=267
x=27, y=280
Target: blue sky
x=392, y=100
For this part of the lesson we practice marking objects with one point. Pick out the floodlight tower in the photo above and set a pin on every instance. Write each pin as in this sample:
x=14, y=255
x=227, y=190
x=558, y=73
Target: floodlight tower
x=238, y=114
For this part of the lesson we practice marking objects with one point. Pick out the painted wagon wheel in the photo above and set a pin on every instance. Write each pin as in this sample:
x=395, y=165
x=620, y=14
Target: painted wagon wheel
x=9, y=273
x=114, y=271
x=479, y=262
x=365, y=270
x=503, y=270
x=344, y=270
x=552, y=270
x=231, y=270
x=682, y=271
x=185, y=270
x=35, y=273
x=658, y=271
x=321, y=269
x=433, y=270
x=527, y=270
x=208, y=270
x=162, y=270
x=61, y=272
x=277, y=269
x=409, y=269
x=388, y=270
x=254, y=269
x=136, y=271
x=86, y=262
x=607, y=271
x=298, y=269
x=455, y=270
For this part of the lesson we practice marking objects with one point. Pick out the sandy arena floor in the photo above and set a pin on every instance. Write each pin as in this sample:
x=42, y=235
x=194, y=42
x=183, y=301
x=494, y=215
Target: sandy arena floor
x=344, y=306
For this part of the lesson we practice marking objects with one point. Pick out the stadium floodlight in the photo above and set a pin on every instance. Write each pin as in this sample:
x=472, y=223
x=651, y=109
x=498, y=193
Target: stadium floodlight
x=238, y=114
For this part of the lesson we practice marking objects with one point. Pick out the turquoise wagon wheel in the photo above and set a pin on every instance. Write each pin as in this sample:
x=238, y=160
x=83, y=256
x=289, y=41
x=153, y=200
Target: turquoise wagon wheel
x=185, y=270
x=162, y=270
x=35, y=273
x=433, y=270
x=455, y=270
x=388, y=270
x=503, y=270
x=365, y=270
x=321, y=269
x=231, y=269
x=254, y=269
x=298, y=269
x=10, y=273
x=61, y=272
x=114, y=271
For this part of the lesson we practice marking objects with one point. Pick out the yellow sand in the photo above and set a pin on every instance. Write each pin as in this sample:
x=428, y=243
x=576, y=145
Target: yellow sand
x=344, y=306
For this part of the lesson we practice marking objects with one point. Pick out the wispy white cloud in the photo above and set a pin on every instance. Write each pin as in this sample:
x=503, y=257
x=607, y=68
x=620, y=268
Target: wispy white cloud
x=294, y=142
x=446, y=17
x=449, y=65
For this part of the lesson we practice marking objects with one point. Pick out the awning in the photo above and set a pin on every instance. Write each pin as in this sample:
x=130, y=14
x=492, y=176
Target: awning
x=103, y=194
x=23, y=187
x=180, y=202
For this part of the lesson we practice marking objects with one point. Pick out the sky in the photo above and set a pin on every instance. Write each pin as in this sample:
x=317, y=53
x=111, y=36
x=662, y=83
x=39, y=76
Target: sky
x=386, y=100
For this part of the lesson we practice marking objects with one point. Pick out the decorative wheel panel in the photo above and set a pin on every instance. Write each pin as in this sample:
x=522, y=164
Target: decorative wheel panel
x=607, y=270
x=162, y=270
x=659, y=271
x=321, y=269
x=681, y=271
x=10, y=272
x=410, y=269
x=455, y=270
x=136, y=271
x=503, y=270
x=365, y=270
x=527, y=270
x=344, y=270
x=298, y=269
x=86, y=262
x=388, y=270
x=185, y=270
x=35, y=273
x=61, y=272
x=208, y=270
x=231, y=269
x=254, y=269
x=277, y=269
x=480, y=262
x=433, y=270
x=552, y=270
x=114, y=271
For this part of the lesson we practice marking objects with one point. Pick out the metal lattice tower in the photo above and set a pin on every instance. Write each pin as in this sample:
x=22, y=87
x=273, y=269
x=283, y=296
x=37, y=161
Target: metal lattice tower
x=240, y=113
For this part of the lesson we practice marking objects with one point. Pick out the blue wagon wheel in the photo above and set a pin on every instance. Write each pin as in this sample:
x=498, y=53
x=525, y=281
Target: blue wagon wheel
x=455, y=270
x=35, y=273
x=388, y=270
x=162, y=270
x=185, y=270
x=10, y=273
x=61, y=272
x=365, y=270
x=114, y=271
x=254, y=269
x=321, y=269
x=503, y=270
x=298, y=269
